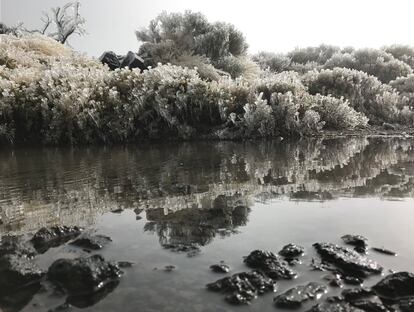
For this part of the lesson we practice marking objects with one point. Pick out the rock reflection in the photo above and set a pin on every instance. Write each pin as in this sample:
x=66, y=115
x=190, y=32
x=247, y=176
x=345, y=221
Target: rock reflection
x=184, y=185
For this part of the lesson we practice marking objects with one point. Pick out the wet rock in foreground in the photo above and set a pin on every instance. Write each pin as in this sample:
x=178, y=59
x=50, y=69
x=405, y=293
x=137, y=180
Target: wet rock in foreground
x=17, y=271
x=348, y=260
x=334, y=304
x=292, y=251
x=396, y=286
x=91, y=242
x=295, y=297
x=83, y=275
x=241, y=288
x=47, y=238
x=272, y=265
x=16, y=245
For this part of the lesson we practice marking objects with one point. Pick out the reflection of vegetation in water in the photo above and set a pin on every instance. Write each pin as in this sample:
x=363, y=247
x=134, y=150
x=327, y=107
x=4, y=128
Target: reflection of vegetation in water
x=43, y=187
x=198, y=226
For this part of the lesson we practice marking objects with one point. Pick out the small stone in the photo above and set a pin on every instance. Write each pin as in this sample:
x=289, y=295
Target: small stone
x=125, y=264
x=295, y=297
x=292, y=251
x=220, y=268
x=384, y=251
x=169, y=268
x=91, y=242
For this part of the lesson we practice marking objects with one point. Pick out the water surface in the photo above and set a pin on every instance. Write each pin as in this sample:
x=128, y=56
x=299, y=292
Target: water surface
x=227, y=198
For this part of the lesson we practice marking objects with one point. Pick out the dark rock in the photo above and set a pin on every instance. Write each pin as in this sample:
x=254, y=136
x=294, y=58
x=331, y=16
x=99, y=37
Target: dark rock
x=322, y=266
x=384, y=251
x=169, y=268
x=138, y=211
x=94, y=242
x=85, y=300
x=118, y=210
x=17, y=299
x=334, y=280
x=125, y=264
x=272, y=265
x=360, y=242
x=243, y=287
x=356, y=293
x=111, y=59
x=190, y=249
x=47, y=238
x=83, y=275
x=16, y=245
x=292, y=251
x=242, y=297
x=295, y=297
x=405, y=305
x=220, y=268
x=348, y=260
x=396, y=286
x=352, y=280
x=132, y=60
x=370, y=305
x=17, y=271
x=334, y=304
x=293, y=261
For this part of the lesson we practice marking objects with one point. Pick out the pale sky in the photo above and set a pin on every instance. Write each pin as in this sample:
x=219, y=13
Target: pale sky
x=269, y=25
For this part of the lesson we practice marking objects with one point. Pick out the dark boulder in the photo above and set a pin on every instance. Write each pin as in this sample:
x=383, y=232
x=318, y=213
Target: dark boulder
x=111, y=59
x=357, y=293
x=295, y=297
x=404, y=305
x=242, y=287
x=292, y=251
x=55, y=236
x=82, y=301
x=335, y=304
x=396, y=286
x=91, y=242
x=272, y=265
x=83, y=275
x=17, y=271
x=348, y=260
x=132, y=60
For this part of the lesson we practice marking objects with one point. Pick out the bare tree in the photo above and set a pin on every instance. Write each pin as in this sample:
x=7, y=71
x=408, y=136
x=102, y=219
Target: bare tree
x=66, y=21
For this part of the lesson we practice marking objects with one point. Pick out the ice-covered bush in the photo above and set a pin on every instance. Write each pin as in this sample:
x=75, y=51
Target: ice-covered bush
x=401, y=52
x=273, y=62
x=337, y=114
x=373, y=62
x=365, y=93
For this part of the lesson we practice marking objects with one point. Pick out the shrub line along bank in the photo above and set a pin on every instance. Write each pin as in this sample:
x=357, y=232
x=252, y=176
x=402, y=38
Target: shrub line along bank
x=52, y=95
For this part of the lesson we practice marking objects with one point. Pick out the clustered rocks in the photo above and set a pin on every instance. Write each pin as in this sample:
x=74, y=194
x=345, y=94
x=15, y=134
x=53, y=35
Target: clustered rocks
x=394, y=293
x=131, y=60
x=84, y=280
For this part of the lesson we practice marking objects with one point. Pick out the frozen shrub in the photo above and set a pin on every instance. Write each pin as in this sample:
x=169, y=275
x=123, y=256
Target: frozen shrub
x=405, y=85
x=258, y=119
x=401, y=52
x=318, y=55
x=366, y=94
x=337, y=114
x=373, y=62
x=273, y=62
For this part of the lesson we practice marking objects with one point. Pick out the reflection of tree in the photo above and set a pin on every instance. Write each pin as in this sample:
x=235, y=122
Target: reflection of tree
x=43, y=187
x=198, y=226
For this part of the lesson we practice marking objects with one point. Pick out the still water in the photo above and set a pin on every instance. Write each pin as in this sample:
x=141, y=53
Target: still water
x=226, y=198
